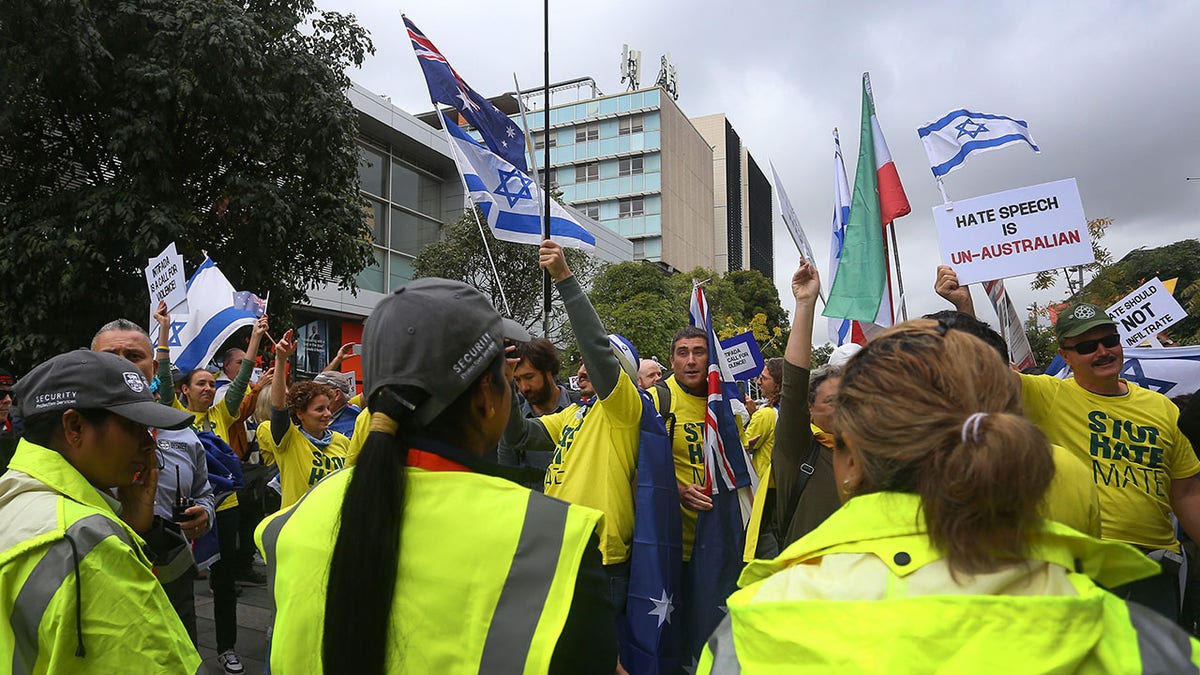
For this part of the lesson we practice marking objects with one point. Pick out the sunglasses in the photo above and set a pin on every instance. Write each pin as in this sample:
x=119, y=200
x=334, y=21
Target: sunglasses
x=5, y=393
x=1088, y=346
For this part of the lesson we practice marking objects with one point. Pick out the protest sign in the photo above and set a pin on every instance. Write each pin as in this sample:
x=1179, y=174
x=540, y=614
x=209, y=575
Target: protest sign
x=165, y=279
x=1015, y=232
x=743, y=356
x=1145, y=313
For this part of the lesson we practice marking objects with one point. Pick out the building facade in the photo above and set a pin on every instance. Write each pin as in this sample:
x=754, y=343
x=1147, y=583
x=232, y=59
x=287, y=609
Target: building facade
x=636, y=164
x=743, y=203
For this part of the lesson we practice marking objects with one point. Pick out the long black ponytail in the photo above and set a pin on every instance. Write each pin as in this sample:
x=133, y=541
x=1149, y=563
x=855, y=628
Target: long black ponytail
x=366, y=555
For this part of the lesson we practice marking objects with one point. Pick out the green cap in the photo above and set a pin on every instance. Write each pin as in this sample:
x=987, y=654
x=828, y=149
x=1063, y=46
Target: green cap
x=1079, y=319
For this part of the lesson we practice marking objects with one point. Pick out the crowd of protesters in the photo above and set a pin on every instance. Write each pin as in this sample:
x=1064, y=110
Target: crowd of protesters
x=920, y=506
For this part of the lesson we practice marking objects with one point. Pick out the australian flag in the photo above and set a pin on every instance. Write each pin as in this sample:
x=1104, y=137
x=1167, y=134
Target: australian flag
x=250, y=302
x=721, y=531
x=650, y=636
x=445, y=86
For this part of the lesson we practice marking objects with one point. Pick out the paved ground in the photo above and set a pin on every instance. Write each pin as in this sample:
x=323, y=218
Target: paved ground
x=254, y=616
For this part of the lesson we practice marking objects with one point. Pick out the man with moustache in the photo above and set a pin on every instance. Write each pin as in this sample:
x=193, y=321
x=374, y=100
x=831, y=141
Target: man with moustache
x=1142, y=464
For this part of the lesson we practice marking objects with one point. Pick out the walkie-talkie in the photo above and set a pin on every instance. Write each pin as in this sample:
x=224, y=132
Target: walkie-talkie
x=182, y=503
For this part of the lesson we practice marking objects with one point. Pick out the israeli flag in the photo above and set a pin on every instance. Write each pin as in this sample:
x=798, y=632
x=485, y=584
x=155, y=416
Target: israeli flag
x=949, y=140
x=509, y=198
x=210, y=319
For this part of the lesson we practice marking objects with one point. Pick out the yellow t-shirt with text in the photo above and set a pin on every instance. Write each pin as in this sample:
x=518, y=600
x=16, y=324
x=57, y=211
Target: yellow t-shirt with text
x=687, y=447
x=762, y=424
x=595, y=457
x=301, y=463
x=1132, y=445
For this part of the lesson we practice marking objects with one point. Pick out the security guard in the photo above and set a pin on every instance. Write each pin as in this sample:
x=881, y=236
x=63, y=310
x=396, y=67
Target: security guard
x=412, y=560
x=75, y=583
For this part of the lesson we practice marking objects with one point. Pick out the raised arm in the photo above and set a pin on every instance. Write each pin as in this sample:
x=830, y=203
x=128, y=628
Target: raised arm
x=793, y=434
x=948, y=287
x=237, y=388
x=283, y=351
x=166, y=385
x=344, y=353
x=806, y=285
x=602, y=365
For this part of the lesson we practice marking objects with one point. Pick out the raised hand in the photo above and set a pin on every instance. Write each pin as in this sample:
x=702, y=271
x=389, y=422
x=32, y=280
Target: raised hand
x=806, y=283
x=947, y=286
x=552, y=259
x=285, y=347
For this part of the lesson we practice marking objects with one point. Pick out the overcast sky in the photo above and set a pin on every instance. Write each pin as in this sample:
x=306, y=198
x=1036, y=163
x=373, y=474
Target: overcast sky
x=1109, y=90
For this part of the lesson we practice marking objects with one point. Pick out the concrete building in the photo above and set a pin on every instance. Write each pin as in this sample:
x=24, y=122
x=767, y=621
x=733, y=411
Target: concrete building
x=742, y=201
x=412, y=186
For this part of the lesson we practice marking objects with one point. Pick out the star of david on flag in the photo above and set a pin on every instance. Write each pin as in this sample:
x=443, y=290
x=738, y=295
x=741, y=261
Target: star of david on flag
x=517, y=217
x=446, y=86
x=976, y=132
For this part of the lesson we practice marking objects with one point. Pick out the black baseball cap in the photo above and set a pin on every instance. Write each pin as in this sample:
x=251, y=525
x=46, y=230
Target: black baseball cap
x=95, y=380
x=434, y=334
x=1079, y=319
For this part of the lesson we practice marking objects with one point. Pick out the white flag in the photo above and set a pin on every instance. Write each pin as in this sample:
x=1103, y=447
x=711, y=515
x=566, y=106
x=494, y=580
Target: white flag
x=949, y=140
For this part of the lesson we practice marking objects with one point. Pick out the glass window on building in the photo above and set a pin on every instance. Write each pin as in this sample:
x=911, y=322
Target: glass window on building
x=372, y=171
x=587, y=132
x=585, y=173
x=539, y=140
x=630, y=207
x=591, y=211
x=630, y=166
x=630, y=125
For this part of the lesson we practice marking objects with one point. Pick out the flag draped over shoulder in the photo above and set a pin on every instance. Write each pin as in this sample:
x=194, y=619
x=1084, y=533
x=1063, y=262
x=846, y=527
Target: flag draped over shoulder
x=652, y=628
x=500, y=134
x=861, y=288
x=210, y=320
x=959, y=133
x=509, y=198
x=721, y=531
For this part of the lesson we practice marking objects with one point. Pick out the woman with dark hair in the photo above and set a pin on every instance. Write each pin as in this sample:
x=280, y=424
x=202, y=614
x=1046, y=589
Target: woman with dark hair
x=938, y=559
x=435, y=567
x=298, y=437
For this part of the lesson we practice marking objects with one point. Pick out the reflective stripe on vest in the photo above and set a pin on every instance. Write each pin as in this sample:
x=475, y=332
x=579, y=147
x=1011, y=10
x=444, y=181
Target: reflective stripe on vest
x=720, y=645
x=526, y=587
x=50, y=573
x=1162, y=645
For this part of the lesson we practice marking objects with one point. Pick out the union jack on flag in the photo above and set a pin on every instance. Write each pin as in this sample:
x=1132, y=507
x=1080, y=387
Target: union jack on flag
x=499, y=133
x=720, y=531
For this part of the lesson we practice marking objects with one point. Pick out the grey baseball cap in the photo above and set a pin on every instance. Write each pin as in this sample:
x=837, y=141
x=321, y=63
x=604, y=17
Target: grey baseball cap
x=434, y=334
x=95, y=380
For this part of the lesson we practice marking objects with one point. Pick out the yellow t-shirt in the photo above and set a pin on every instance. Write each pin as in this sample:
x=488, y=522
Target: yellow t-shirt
x=594, y=463
x=1072, y=498
x=301, y=464
x=687, y=446
x=762, y=424
x=1132, y=444
x=216, y=419
x=362, y=429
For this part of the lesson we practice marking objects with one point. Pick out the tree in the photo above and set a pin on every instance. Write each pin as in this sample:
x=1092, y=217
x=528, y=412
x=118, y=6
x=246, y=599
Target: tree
x=1042, y=342
x=820, y=355
x=1074, y=275
x=760, y=298
x=222, y=126
x=461, y=255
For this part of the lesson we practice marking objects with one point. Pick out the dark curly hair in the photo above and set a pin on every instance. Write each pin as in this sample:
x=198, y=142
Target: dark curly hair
x=301, y=394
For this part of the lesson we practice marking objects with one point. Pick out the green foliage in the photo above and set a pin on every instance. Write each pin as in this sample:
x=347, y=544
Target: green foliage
x=125, y=126
x=820, y=355
x=1180, y=260
x=1097, y=228
x=462, y=255
x=639, y=301
x=1041, y=342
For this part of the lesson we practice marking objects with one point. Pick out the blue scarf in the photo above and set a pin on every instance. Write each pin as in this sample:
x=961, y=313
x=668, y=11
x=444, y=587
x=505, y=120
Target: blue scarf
x=321, y=443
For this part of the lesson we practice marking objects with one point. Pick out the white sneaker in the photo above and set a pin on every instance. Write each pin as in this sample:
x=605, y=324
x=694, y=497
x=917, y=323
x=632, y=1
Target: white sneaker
x=230, y=662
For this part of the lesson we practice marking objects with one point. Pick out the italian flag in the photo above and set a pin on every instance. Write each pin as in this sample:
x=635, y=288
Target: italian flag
x=862, y=286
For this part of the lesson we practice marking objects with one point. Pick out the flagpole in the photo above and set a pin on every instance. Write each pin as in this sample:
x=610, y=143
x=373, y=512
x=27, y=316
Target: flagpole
x=543, y=207
x=546, y=164
x=899, y=275
x=471, y=207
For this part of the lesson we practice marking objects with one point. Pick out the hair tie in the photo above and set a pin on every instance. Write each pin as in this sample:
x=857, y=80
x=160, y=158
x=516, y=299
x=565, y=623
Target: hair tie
x=383, y=423
x=970, y=427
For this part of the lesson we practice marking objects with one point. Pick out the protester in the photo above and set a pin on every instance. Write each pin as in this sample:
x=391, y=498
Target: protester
x=539, y=394
x=231, y=364
x=341, y=388
x=938, y=559
x=687, y=389
x=802, y=460
x=764, y=541
x=1142, y=464
x=435, y=567
x=182, y=476
x=595, y=442
x=77, y=590
x=199, y=388
x=650, y=373
x=298, y=436
x=8, y=430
